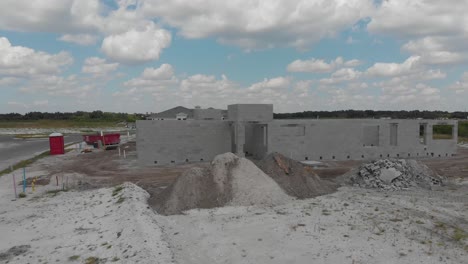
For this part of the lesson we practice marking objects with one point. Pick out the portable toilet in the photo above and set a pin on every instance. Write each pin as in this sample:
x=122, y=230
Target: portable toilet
x=57, y=144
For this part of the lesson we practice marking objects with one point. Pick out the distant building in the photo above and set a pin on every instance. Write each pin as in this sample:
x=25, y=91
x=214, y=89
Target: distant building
x=184, y=113
x=181, y=116
x=171, y=114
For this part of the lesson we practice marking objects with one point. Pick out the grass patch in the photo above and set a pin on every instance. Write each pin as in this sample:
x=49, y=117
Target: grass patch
x=440, y=225
x=25, y=163
x=441, y=136
x=21, y=195
x=459, y=235
x=325, y=212
x=115, y=259
x=396, y=220
x=55, y=192
x=92, y=260
x=44, y=123
x=26, y=136
x=116, y=190
x=121, y=199
x=73, y=258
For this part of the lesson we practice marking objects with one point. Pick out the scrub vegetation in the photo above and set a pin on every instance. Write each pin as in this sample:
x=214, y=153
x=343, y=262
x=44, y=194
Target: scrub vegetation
x=65, y=120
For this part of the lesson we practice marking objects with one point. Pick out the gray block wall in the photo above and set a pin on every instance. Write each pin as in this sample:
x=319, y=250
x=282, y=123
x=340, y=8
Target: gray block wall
x=162, y=142
x=355, y=139
x=251, y=129
x=250, y=112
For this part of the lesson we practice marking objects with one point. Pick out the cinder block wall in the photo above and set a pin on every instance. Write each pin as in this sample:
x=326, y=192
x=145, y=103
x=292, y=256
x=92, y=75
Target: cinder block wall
x=162, y=142
x=250, y=112
x=349, y=139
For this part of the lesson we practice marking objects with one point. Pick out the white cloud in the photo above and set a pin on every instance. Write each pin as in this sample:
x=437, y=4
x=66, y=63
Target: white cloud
x=164, y=72
x=68, y=16
x=262, y=23
x=342, y=75
x=380, y=69
x=268, y=85
x=41, y=103
x=437, y=31
x=80, y=39
x=8, y=81
x=17, y=104
x=98, y=67
x=35, y=15
x=320, y=66
x=154, y=79
x=18, y=61
x=409, y=96
x=66, y=86
x=312, y=65
x=420, y=17
x=137, y=45
x=461, y=85
x=436, y=50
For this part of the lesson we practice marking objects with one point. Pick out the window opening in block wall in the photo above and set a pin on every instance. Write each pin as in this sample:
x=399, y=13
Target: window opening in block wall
x=440, y=132
x=423, y=133
x=394, y=134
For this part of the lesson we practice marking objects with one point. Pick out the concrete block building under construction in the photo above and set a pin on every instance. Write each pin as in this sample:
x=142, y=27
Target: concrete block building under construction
x=250, y=130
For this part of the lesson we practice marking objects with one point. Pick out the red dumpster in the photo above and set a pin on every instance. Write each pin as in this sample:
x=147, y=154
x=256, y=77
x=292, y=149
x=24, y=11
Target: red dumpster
x=57, y=144
x=111, y=139
x=107, y=139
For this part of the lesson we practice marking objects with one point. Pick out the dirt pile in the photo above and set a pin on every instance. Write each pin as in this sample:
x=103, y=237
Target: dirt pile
x=295, y=178
x=229, y=180
x=388, y=174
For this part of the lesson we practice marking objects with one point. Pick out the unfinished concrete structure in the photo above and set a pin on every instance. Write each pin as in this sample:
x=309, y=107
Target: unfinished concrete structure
x=250, y=130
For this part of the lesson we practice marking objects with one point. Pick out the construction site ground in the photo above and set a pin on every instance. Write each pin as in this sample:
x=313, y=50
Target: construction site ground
x=95, y=220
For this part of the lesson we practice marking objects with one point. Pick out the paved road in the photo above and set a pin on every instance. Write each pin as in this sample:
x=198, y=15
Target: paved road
x=13, y=150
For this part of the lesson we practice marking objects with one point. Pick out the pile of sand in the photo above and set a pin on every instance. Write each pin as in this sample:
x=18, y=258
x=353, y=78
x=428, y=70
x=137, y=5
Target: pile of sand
x=295, y=178
x=389, y=174
x=229, y=180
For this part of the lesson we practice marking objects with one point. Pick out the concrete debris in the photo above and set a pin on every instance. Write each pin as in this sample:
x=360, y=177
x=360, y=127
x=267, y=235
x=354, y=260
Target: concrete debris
x=395, y=174
x=229, y=181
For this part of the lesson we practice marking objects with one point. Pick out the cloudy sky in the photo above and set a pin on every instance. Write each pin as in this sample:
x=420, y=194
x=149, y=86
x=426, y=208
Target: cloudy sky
x=150, y=55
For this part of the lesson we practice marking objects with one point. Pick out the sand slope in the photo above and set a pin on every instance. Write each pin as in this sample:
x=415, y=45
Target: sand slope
x=295, y=178
x=229, y=180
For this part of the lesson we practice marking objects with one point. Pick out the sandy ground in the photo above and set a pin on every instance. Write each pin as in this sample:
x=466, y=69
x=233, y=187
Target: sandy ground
x=352, y=225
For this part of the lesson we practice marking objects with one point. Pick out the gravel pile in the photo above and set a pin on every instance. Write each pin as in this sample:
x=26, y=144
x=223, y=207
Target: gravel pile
x=229, y=181
x=395, y=174
x=295, y=178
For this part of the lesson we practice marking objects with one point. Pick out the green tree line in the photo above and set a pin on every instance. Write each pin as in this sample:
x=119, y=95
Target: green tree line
x=73, y=116
x=373, y=114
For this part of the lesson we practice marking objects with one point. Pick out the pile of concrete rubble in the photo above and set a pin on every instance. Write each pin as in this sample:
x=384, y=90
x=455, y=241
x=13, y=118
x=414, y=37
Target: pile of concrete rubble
x=395, y=174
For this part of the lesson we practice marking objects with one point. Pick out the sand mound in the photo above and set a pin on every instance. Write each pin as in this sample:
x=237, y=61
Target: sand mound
x=295, y=178
x=389, y=174
x=229, y=180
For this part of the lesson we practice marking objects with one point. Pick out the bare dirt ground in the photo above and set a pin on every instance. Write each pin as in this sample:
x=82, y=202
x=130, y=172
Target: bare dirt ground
x=107, y=168
x=450, y=167
x=352, y=225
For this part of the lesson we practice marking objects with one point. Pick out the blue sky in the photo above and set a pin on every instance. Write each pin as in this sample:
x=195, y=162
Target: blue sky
x=150, y=55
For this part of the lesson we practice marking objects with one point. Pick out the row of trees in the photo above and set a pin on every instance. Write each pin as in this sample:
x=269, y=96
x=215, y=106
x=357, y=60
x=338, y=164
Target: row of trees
x=75, y=116
x=109, y=116
x=373, y=114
